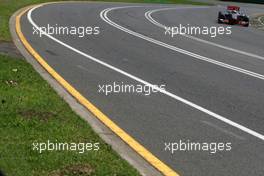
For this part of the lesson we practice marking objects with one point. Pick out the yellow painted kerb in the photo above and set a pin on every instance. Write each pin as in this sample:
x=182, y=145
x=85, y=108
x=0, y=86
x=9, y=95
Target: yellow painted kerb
x=154, y=161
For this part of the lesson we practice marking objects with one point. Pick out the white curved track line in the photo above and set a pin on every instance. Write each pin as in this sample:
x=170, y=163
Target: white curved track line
x=150, y=18
x=219, y=117
x=104, y=13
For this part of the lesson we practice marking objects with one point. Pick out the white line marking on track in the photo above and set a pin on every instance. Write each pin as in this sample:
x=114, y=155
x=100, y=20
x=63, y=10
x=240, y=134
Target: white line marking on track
x=104, y=16
x=150, y=18
x=195, y=106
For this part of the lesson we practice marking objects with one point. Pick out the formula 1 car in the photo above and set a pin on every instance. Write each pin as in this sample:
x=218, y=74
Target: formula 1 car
x=233, y=16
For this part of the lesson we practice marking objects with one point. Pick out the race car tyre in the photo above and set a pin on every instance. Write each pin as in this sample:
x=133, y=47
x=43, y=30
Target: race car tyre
x=246, y=25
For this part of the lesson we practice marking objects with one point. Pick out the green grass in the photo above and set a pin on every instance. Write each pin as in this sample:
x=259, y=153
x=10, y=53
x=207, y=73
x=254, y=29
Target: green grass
x=247, y=1
x=31, y=111
x=8, y=7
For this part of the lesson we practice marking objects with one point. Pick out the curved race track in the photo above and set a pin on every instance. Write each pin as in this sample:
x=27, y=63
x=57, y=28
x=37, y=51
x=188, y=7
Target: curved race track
x=214, y=86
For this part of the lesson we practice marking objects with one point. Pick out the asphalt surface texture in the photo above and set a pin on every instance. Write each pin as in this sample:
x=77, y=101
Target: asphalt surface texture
x=158, y=119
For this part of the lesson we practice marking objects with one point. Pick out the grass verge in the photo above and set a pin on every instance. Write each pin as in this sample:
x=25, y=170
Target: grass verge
x=247, y=1
x=8, y=7
x=31, y=111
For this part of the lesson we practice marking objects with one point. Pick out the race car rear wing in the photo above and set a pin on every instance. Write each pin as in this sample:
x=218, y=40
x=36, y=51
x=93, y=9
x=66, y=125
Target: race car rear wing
x=233, y=8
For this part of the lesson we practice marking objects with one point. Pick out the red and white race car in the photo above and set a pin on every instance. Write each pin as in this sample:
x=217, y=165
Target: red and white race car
x=233, y=16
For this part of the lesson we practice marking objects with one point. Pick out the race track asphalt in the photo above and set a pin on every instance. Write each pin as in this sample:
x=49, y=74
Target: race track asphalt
x=157, y=119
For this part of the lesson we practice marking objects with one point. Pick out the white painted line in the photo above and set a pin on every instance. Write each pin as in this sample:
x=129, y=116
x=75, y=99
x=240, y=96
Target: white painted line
x=150, y=18
x=234, y=124
x=103, y=15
